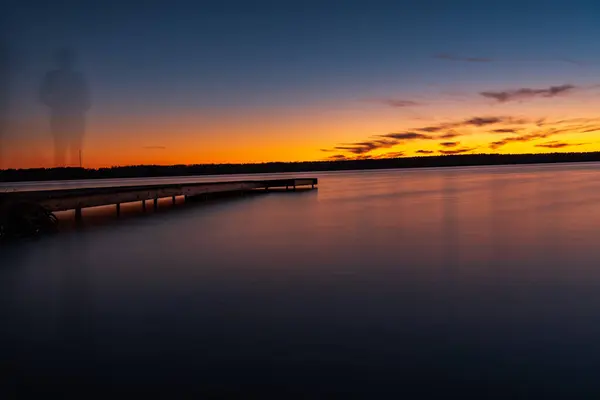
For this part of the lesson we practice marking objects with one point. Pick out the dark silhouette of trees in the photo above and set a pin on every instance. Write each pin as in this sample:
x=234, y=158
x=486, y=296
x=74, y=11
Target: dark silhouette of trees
x=137, y=171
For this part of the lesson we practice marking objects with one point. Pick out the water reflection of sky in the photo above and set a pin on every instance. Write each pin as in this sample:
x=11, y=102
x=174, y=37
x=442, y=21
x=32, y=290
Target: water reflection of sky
x=389, y=281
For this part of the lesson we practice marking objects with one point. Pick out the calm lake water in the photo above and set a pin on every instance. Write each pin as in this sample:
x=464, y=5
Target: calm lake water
x=479, y=280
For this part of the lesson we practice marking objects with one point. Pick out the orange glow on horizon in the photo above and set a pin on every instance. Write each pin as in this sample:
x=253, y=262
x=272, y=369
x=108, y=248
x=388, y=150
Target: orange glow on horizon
x=300, y=134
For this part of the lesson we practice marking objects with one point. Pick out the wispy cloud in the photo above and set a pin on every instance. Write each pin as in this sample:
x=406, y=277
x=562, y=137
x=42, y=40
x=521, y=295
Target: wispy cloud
x=449, y=144
x=588, y=130
x=394, y=154
x=380, y=142
x=433, y=129
x=367, y=146
x=354, y=149
x=558, y=145
x=457, y=151
x=505, y=130
x=527, y=93
x=513, y=129
x=583, y=120
x=581, y=125
x=477, y=122
x=430, y=133
x=399, y=103
x=516, y=139
x=449, y=135
x=483, y=121
x=452, y=57
x=344, y=157
x=407, y=136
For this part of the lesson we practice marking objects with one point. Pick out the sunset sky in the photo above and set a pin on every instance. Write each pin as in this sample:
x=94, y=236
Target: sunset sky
x=251, y=81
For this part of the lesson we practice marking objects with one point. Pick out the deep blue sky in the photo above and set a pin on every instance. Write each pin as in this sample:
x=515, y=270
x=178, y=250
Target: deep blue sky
x=231, y=52
x=150, y=58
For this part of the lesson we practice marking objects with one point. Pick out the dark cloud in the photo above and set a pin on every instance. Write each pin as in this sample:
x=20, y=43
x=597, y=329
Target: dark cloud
x=558, y=145
x=449, y=144
x=382, y=142
x=594, y=129
x=367, y=146
x=337, y=157
x=582, y=125
x=516, y=139
x=385, y=142
x=431, y=132
x=557, y=131
x=473, y=122
x=452, y=57
x=554, y=145
x=326, y=150
x=483, y=121
x=449, y=135
x=424, y=151
x=527, y=93
x=353, y=149
x=505, y=130
x=407, y=136
x=399, y=103
x=572, y=121
x=395, y=154
x=457, y=151
x=432, y=129
x=155, y=147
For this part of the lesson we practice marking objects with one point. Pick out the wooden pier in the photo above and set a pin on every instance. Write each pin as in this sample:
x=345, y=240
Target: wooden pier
x=46, y=202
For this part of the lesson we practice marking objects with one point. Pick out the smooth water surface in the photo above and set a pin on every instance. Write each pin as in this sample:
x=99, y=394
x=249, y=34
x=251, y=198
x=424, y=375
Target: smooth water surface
x=482, y=280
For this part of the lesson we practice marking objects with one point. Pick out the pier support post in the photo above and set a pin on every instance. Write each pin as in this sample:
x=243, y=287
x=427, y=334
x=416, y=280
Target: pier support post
x=155, y=204
x=144, y=205
x=286, y=188
x=294, y=188
x=78, y=216
x=174, y=200
x=313, y=185
x=118, y=209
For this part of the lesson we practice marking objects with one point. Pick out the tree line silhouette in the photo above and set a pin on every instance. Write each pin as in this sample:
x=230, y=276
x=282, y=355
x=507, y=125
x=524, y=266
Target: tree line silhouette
x=139, y=171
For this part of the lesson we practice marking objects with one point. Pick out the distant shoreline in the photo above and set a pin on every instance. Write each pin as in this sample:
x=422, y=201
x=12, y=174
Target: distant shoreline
x=155, y=171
